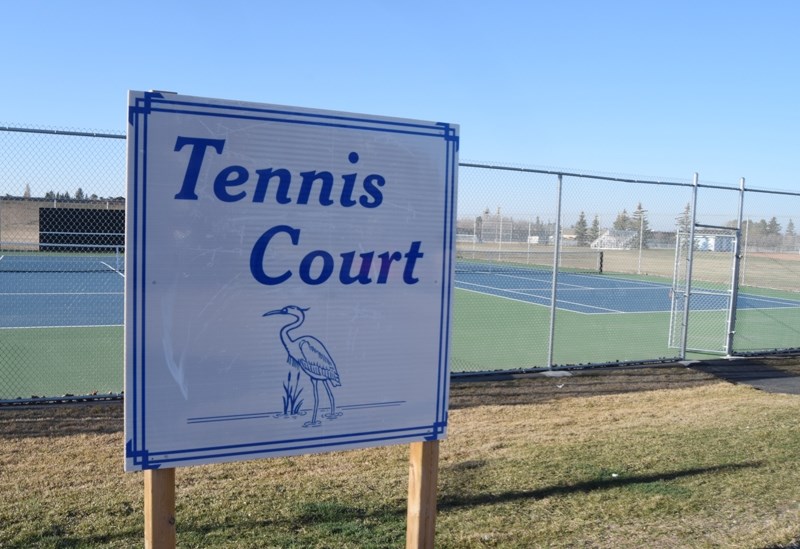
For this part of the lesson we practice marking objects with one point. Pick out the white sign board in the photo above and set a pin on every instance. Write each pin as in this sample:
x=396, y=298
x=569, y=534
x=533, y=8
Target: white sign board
x=288, y=280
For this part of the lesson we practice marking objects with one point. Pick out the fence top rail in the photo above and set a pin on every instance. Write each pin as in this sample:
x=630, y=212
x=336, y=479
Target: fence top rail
x=573, y=174
x=767, y=191
x=462, y=164
x=62, y=132
x=624, y=179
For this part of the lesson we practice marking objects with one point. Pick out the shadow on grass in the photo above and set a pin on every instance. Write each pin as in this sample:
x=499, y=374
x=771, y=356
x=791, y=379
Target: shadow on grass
x=474, y=500
x=307, y=524
x=57, y=536
x=383, y=525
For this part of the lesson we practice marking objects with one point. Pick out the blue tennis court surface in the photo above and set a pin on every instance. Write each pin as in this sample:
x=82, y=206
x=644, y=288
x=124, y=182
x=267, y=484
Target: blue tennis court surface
x=46, y=299
x=29, y=300
x=601, y=294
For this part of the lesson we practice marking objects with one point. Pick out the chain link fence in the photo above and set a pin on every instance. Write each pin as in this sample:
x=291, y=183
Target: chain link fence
x=62, y=206
x=553, y=269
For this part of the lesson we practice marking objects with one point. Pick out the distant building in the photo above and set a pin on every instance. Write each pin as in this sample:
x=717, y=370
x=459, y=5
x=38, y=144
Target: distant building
x=714, y=242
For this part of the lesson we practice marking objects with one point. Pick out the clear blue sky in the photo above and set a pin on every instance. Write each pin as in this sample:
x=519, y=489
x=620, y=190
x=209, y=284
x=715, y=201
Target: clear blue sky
x=622, y=87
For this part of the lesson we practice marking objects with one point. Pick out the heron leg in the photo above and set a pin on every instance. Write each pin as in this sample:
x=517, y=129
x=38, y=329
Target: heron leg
x=333, y=414
x=314, y=422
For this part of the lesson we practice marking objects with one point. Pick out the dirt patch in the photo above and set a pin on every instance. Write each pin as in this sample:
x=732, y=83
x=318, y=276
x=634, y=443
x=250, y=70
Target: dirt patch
x=533, y=388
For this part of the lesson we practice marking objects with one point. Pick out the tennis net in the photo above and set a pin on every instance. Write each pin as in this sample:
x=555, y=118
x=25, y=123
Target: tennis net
x=528, y=262
x=22, y=257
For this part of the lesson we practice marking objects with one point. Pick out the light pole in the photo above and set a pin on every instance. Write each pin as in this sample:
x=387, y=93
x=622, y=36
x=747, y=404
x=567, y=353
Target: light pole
x=641, y=239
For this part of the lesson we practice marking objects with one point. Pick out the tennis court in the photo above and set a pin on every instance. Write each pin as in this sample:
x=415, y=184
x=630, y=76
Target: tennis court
x=599, y=294
x=61, y=322
x=49, y=290
x=602, y=317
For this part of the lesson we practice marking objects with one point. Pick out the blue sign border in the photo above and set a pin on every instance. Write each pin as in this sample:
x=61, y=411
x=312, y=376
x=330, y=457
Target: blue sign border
x=136, y=448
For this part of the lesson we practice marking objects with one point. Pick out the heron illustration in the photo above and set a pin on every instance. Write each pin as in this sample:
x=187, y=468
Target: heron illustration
x=309, y=355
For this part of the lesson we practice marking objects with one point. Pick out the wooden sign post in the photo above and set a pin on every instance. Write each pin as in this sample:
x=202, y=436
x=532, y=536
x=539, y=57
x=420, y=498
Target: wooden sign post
x=423, y=473
x=159, y=509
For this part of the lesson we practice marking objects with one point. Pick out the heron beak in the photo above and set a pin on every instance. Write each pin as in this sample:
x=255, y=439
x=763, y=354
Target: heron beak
x=277, y=312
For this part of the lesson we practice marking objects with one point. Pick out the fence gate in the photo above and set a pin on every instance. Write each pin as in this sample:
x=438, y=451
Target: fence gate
x=704, y=288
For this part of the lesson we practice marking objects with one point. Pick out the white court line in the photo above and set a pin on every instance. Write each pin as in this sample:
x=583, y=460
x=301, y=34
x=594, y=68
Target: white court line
x=589, y=306
x=538, y=297
x=624, y=289
x=630, y=283
x=495, y=288
x=112, y=269
x=608, y=312
x=529, y=279
x=653, y=286
x=528, y=302
x=788, y=302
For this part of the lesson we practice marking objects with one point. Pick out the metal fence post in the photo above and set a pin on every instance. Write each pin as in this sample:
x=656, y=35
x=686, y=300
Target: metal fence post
x=744, y=253
x=554, y=285
x=735, y=275
x=689, y=259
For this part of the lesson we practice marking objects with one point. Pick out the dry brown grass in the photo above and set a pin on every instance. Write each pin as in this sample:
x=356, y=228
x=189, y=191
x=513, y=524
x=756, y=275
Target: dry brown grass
x=658, y=457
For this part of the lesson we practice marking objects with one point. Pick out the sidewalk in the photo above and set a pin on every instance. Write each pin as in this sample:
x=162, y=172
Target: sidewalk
x=765, y=374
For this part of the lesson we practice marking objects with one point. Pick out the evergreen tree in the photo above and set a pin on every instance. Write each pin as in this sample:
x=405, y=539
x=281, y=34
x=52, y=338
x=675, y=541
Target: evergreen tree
x=773, y=227
x=638, y=223
x=79, y=194
x=685, y=220
x=594, y=230
x=622, y=222
x=581, y=231
x=789, y=236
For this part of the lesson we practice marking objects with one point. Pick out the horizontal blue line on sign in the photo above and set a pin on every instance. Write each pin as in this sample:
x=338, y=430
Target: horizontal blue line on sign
x=149, y=458
x=259, y=415
x=242, y=108
x=433, y=130
x=426, y=435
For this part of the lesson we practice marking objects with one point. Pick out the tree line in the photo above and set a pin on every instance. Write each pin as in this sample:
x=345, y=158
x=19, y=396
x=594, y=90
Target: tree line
x=493, y=227
x=80, y=194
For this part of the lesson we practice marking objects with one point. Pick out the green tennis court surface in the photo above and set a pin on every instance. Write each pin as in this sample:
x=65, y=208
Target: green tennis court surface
x=55, y=361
